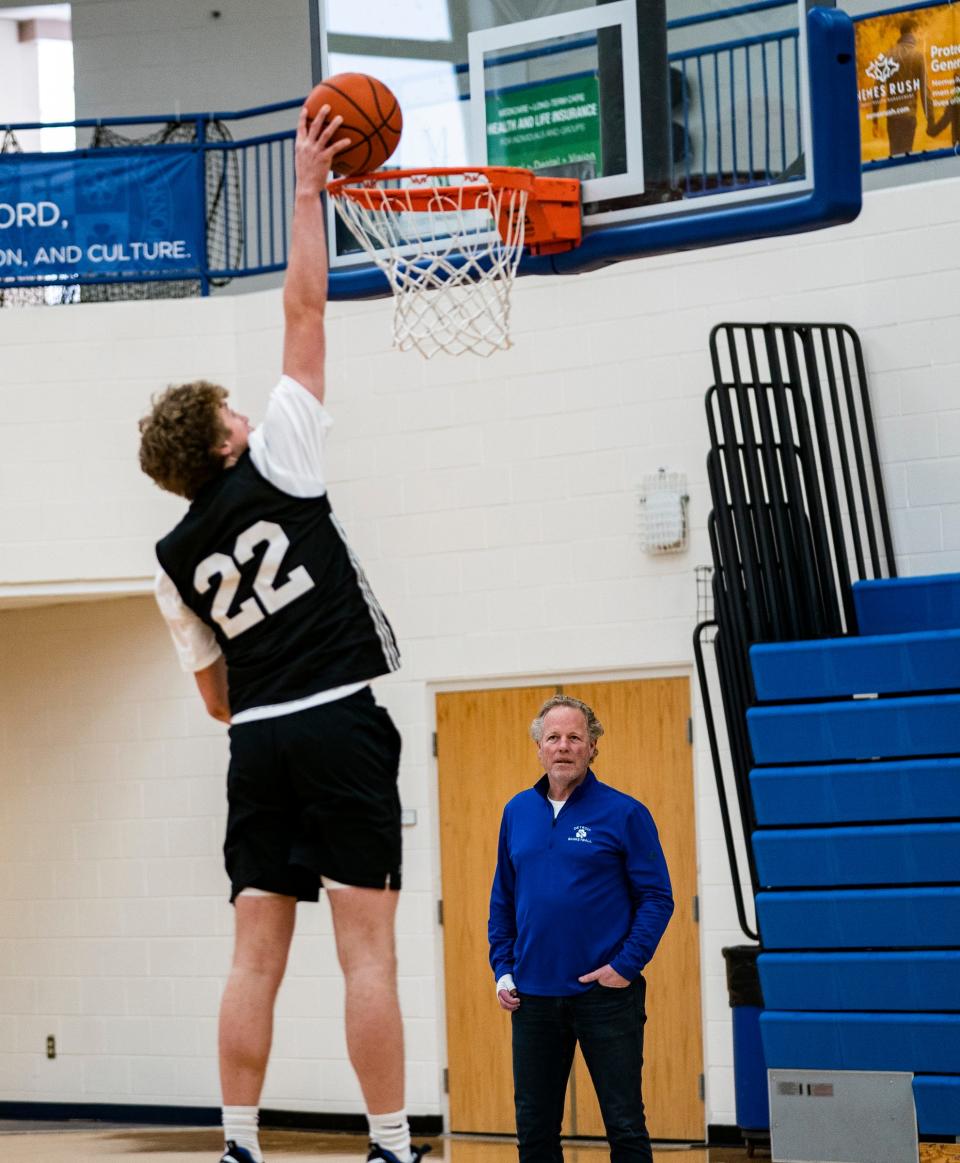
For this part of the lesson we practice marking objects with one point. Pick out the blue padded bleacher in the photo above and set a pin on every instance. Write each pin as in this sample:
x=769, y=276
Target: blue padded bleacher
x=833, y=667
x=926, y=1045
x=867, y=854
x=907, y=789
x=861, y=729
x=878, y=918
x=938, y=1104
x=922, y=1043
x=905, y=980
x=899, y=605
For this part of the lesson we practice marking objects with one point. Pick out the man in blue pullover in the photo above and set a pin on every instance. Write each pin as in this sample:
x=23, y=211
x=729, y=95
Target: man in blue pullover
x=580, y=900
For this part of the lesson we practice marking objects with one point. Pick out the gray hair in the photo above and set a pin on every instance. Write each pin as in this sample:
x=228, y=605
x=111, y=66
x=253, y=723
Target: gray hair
x=594, y=726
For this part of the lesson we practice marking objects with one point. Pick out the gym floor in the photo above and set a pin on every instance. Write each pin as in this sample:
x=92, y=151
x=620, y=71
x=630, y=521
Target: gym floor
x=26, y=1142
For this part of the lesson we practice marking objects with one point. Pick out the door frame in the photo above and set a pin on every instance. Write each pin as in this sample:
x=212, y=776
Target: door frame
x=544, y=678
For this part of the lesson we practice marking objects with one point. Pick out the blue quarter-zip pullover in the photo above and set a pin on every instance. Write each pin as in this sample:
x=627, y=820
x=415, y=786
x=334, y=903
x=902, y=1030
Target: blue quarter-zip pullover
x=576, y=892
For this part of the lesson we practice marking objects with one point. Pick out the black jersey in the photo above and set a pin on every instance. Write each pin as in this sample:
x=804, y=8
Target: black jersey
x=272, y=575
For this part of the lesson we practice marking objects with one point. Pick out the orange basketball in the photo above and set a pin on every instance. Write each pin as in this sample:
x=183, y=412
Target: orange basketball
x=371, y=119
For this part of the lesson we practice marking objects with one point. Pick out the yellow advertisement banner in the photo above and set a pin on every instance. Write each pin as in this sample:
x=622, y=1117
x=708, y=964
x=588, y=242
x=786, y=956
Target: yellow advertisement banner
x=908, y=74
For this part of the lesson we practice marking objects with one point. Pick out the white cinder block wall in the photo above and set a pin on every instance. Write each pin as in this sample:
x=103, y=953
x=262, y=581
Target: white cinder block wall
x=493, y=503
x=136, y=56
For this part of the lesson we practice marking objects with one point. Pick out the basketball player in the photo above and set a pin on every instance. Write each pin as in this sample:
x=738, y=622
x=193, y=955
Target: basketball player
x=269, y=608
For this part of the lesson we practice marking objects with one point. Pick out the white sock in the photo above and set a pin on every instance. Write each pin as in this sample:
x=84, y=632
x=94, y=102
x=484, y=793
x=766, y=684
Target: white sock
x=392, y=1132
x=240, y=1125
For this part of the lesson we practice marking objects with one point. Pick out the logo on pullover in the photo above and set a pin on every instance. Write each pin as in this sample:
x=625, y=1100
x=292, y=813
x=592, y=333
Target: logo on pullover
x=581, y=835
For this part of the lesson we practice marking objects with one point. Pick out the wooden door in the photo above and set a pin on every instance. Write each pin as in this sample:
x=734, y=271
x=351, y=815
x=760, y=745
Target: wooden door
x=485, y=756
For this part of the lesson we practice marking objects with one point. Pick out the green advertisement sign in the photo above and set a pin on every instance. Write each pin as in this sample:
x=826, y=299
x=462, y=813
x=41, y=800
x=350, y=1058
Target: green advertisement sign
x=551, y=123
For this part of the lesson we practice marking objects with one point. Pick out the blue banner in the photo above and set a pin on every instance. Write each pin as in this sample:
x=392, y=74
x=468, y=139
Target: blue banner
x=116, y=214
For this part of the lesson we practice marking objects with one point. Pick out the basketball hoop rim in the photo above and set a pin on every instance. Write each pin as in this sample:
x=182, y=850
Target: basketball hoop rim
x=548, y=207
x=498, y=178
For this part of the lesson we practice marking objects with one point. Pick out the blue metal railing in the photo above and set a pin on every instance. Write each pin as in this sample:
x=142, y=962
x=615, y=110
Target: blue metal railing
x=249, y=223
x=739, y=111
x=733, y=143
x=244, y=187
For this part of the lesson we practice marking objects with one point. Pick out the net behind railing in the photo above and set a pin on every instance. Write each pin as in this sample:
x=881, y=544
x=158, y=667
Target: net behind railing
x=224, y=222
x=224, y=234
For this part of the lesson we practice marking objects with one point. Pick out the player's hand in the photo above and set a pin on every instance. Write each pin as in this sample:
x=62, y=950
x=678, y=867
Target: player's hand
x=316, y=146
x=508, y=1000
x=606, y=976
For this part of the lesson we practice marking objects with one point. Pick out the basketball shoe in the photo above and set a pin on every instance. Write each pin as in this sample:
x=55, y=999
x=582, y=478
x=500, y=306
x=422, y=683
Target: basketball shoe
x=377, y=1152
x=235, y=1154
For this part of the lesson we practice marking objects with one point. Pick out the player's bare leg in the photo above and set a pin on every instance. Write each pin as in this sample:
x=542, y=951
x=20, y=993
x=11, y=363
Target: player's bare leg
x=363, y=920
x=264, y=928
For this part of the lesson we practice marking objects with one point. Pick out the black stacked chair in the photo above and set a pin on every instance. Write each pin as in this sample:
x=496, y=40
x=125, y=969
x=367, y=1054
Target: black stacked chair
x=798, y=508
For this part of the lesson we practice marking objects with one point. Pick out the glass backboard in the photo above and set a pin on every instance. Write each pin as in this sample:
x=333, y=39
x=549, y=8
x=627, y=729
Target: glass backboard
x=663, y=108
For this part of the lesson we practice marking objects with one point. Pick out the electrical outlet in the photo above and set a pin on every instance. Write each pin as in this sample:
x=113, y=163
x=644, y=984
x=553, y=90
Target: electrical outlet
x=51, y=1046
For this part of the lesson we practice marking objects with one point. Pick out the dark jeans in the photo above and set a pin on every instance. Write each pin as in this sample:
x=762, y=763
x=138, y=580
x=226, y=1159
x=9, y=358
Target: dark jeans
x=608, y=1024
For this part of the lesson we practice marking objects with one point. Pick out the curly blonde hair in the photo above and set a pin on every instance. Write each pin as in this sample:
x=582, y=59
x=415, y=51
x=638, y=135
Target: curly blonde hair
x=179, y=437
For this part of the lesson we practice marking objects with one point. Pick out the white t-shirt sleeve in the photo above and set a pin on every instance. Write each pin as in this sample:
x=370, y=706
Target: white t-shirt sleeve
x=288, y=448
x=195, y=642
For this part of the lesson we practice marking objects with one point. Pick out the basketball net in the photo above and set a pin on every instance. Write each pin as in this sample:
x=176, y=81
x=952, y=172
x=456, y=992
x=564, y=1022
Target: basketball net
x=449, y=252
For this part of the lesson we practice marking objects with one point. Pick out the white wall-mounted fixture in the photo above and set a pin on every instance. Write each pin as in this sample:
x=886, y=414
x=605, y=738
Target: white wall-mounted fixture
x=662, y=506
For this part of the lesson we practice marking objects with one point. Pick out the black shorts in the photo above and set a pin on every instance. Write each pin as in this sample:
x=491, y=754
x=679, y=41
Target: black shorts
x=314, y=794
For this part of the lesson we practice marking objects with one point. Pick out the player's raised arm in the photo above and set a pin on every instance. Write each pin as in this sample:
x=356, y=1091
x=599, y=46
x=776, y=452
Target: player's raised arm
x=305, y=287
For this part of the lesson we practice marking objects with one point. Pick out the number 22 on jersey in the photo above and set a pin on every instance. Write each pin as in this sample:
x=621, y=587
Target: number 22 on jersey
x=270, y=597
